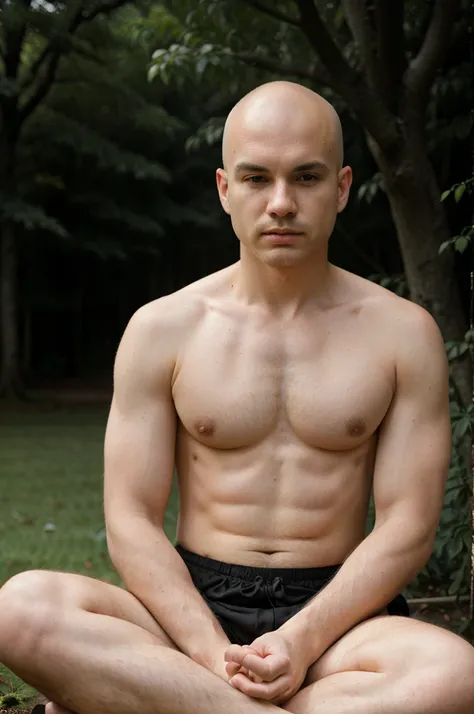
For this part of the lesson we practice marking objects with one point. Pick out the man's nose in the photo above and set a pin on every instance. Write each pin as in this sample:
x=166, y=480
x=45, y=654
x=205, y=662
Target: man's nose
x=282, y=201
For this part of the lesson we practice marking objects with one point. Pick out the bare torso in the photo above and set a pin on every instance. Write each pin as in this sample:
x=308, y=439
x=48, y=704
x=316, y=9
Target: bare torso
x=278, y=423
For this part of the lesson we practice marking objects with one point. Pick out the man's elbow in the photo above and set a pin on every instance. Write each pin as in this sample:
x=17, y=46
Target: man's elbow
x=422, y=549
x=413, y=538
x=129, y=534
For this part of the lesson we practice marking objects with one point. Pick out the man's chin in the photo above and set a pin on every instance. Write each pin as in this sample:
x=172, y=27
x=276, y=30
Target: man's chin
x=282, y=257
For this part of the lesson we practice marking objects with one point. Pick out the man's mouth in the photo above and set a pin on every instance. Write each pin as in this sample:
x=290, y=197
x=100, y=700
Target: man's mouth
x=282, y=232
x=281, y=236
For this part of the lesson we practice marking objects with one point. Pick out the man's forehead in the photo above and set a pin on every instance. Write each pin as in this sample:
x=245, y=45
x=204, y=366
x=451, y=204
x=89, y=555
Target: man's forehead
x=315, y=153
x=295, y=135
x=246, y=163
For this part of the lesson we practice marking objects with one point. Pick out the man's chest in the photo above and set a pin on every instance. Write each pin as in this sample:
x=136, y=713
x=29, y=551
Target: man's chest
x=237, y=387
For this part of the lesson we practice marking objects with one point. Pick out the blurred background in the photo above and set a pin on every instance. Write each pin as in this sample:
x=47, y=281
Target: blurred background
x=111, y=116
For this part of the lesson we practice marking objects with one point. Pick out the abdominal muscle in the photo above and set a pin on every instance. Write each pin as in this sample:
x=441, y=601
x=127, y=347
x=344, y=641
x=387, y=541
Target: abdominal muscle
x=277, y=504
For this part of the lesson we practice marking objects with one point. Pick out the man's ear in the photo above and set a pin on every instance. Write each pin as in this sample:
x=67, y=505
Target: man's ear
x=223, y=189
x=344, y=181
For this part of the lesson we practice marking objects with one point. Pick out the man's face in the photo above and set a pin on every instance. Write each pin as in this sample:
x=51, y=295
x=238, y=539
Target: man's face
x=283, y=187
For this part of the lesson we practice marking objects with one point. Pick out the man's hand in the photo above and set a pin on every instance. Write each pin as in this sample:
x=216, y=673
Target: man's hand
x=219, y=666
x=270, y=668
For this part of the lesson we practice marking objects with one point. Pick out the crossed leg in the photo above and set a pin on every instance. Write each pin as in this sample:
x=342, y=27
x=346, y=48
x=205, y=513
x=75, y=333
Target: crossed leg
x=94, y=649
x=393, y=665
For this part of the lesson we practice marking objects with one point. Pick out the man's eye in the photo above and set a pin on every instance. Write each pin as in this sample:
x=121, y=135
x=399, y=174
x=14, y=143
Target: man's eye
x=256, y=179
x=307, y=178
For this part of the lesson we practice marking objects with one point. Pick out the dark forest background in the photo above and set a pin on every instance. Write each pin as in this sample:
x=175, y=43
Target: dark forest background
x=108, y=181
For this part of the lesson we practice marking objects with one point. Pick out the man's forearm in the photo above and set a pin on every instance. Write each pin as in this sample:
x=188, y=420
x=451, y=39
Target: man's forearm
x=378, y=570
x=154, y=572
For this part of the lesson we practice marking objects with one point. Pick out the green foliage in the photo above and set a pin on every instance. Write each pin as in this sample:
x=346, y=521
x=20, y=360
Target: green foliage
x=221, y=42
x=95, y=159
x=451, y=557
x=369, y=189
x=396, y=283
x=208, y=134
x=14, y=692
x=8, y=701
x=28, y=216
x=461, y=242
x=66, y=134
x=457, y=190
x=452, y=550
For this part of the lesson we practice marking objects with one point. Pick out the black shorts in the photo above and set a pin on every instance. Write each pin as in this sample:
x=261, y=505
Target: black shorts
x=248, y=601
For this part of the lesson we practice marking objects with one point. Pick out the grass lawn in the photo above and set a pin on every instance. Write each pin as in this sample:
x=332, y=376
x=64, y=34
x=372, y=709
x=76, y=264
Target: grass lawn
x=51, y=505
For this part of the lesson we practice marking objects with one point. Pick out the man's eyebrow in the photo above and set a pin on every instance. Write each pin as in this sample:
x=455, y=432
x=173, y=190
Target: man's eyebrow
x=244, y=166
x=309, y=166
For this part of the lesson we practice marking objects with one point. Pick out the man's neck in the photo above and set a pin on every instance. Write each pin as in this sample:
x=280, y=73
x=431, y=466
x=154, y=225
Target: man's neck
x=283, y=291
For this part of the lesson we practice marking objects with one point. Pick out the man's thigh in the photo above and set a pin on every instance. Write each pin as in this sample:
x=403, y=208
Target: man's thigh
x=33, y=594
x=388, y=644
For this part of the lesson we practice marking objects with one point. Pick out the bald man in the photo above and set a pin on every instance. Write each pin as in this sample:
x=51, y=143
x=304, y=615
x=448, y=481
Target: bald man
x=285, y=390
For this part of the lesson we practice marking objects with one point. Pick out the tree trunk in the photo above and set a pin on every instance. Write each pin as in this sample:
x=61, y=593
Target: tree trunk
x=421, y=225
x=10, y=379
x=11, y=383
x=26, y=344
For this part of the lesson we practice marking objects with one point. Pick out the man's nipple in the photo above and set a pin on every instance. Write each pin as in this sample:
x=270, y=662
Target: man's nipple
x=356, y=427
x=205, y=426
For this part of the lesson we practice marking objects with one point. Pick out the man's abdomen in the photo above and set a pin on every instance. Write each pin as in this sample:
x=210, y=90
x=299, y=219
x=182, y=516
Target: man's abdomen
x=270, y=507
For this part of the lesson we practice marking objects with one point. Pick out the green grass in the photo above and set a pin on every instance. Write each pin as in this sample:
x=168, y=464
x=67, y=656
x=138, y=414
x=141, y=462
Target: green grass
x=51, y=503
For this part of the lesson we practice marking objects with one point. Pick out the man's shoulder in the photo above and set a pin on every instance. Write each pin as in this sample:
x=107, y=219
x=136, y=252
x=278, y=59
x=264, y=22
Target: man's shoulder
x=406, y=329
x=174, y=314
x=157, y=331
x=396, y=314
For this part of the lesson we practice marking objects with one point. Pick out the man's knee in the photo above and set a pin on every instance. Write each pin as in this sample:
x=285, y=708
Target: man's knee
x=29, y=604
x=456, y=675
x=442, y=680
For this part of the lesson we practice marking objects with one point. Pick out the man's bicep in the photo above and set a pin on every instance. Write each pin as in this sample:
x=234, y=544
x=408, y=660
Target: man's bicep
x=141, y=430
x=414, y=445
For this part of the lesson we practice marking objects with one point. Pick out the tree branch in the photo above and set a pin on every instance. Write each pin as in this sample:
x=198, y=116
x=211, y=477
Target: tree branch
x=349, y=83
x=45, y=83
x=422, y=69
x=322, y=42
x=391, y=48
x=357, y=17
x=284, y=69
x=105, y=8
x=49, y=49
x=77, y=19
x=14, y=34
x=355, y=12
x=42, y=88
x=273, y=12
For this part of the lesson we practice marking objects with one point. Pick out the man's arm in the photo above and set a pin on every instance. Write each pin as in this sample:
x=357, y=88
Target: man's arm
x=410, y=473
x=139, y=464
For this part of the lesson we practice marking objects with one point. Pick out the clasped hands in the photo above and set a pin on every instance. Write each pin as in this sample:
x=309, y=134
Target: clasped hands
x=271, y=668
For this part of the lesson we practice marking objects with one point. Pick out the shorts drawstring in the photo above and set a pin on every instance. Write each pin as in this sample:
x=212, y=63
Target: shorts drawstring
x=273, y=588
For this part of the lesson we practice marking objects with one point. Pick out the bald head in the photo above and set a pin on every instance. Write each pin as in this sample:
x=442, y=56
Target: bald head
x=282, y=154
x=289, y=112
